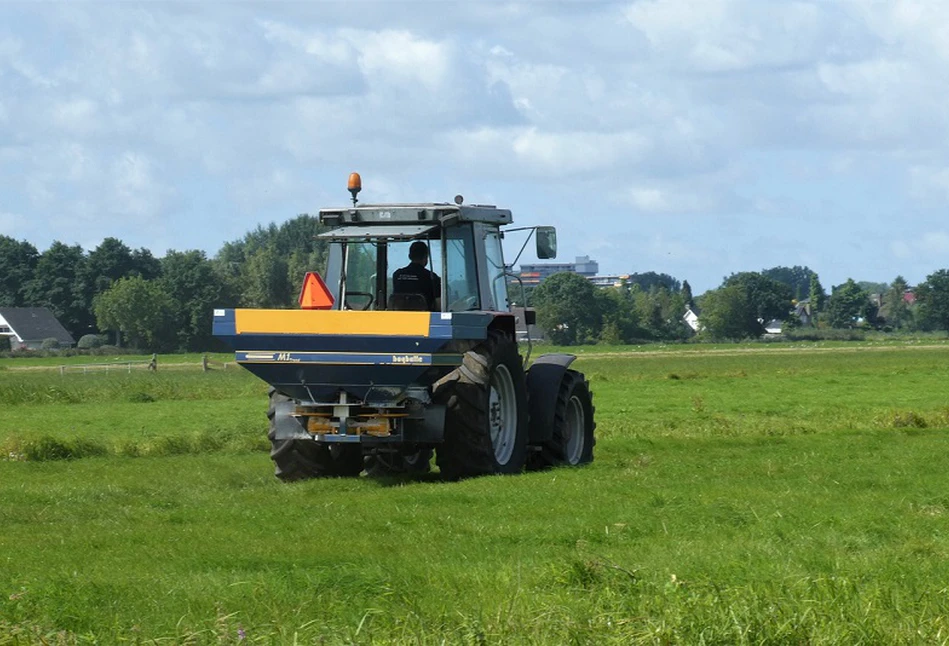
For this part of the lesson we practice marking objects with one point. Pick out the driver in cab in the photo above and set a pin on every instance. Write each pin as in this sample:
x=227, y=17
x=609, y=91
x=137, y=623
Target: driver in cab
x=415, y=278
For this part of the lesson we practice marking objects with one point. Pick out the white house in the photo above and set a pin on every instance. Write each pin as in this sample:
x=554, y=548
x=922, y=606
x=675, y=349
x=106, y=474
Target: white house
x=774, y=326
x=692, y=319
x=28, y=327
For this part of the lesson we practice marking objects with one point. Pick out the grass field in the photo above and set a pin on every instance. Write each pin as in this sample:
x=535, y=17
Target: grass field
x=740, y=494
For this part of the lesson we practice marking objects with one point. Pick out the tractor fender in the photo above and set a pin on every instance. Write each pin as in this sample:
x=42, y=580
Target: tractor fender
x=543, y=386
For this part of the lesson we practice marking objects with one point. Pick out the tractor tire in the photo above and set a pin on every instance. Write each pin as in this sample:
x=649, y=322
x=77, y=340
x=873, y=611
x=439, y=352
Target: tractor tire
x=302, y=459
x=572, y=440
x=392, y=464
x=486, y=419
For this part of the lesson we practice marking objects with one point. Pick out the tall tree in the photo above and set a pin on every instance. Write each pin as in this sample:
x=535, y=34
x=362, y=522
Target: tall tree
x=105, y=264
x=933, y=299
x=847, y=304
x=266, y=280
x=769, y=299
x=816, y=295
x=650, y=279
x=109, y=262
x=17, y=262
x=145, y=265
x=797, y=278
x=647, y=308
x=729, y=314
x=56, y=284
x=294, y=244
x=871, y=287
x=687, y=294
x=620, y=321
x=567, y=309
x=743, y=304
x=141, y=310
x=895, y=309
x=658, y=313
x=197, y=289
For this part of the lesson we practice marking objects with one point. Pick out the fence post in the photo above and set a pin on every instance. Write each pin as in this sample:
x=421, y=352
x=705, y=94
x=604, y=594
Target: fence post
x=62, y=370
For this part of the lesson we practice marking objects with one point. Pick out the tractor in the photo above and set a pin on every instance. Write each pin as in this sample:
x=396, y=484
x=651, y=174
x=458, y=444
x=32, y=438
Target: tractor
x=368, y=376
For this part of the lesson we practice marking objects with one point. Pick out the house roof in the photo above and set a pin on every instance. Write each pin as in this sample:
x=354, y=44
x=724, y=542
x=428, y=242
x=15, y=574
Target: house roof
x=35, y=324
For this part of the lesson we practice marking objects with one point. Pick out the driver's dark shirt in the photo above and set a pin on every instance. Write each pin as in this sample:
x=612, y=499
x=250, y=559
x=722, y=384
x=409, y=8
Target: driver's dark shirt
x=416, y=279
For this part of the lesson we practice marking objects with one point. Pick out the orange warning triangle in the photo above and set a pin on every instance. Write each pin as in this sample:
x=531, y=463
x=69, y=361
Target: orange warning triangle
x=315, y=294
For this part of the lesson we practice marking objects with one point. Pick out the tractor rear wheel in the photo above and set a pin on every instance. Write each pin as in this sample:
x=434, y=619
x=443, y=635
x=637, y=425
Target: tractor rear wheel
x=303, y=459
x=486, y=420
x=572, y=440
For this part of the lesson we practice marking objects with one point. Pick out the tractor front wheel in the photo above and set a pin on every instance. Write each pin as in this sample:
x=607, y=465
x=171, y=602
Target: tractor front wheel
x=572, y=441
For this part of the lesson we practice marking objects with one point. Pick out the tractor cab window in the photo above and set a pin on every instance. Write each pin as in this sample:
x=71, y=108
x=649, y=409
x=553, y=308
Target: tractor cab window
x=360, y=273
x=360, y=285
x=461, y=280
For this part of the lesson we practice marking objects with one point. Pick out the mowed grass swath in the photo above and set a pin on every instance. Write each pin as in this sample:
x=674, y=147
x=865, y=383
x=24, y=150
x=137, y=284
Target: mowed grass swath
x=783, y=495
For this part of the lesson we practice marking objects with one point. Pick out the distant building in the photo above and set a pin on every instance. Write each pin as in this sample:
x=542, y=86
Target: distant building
x=28, y=327
x=537, y=273
x=803, y=312
x=692, y=319
x=615, y=280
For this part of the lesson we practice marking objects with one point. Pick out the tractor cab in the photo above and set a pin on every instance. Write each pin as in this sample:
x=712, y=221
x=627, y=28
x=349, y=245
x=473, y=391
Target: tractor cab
x=368, y=244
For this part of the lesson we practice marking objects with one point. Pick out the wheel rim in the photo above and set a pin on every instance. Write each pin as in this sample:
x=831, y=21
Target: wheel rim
x=575, y=426
x=502, y=414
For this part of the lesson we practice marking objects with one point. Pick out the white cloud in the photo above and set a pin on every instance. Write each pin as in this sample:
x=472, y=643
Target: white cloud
x=15, y=60
x=727, y=35
x=930, y=184
x=930, y=247
x=864, y=78
x=650, y=200
x=80, y=116
x=697, y=197
x=548, y=155
x=135, y=188
x=918, y=27
x=935, y=242
x=395, y=57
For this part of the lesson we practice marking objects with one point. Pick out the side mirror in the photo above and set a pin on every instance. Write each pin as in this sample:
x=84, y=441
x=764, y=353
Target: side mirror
x=546, y=243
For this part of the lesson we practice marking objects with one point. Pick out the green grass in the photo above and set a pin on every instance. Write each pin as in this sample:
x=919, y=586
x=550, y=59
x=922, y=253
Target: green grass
x=177, y=360
x=762, y=496
x=51, y=416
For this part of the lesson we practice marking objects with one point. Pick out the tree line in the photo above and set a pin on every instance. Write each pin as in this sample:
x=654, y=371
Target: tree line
x=159, y=304
x=164, y=304
x=572, y=311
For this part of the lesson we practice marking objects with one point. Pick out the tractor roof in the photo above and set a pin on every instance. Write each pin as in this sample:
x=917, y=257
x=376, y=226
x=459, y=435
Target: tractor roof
x=427, y=215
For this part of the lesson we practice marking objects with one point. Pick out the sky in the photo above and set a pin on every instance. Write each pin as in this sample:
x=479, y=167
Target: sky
x=695, y=138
